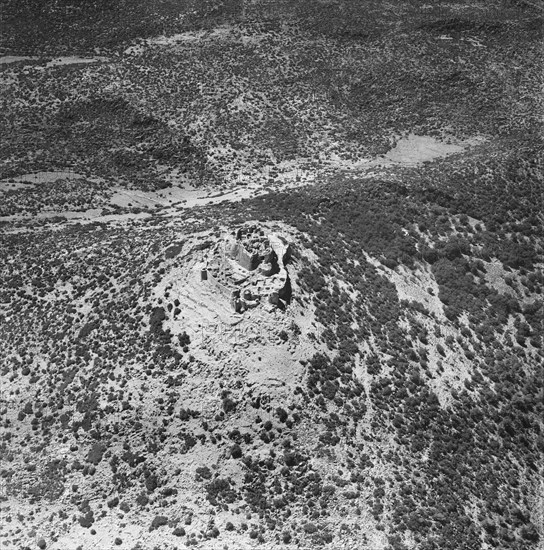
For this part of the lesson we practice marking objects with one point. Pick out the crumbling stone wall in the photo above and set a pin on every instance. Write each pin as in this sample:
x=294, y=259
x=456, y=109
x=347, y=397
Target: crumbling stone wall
x=212, y=276
x=263, y=257
x=248, y=261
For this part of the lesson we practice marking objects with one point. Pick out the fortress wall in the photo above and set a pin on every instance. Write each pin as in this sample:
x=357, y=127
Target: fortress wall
x=274, y=284
x=246, y=260
x=223, y=289
x=238, y=252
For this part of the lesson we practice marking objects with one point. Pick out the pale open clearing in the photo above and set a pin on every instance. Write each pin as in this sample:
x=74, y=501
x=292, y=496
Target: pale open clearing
x=74, y=60
x=412, y=149
x=57, y=61
x=6, y=59
x=44, y=177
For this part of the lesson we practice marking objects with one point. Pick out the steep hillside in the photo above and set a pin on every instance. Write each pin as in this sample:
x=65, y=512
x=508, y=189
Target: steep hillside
x=368, y=411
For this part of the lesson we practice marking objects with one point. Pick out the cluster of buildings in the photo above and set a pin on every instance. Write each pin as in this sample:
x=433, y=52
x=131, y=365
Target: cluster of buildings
x=248, y=267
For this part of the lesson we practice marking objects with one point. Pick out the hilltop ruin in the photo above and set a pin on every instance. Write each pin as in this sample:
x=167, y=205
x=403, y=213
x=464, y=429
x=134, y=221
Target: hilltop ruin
x=248, y=268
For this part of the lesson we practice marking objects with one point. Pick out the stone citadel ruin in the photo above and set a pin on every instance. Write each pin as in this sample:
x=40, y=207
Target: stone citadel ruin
x=248, y=268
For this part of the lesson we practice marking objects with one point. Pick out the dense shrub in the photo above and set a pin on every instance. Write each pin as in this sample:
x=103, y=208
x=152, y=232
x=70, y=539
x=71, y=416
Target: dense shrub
x=158, y=521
